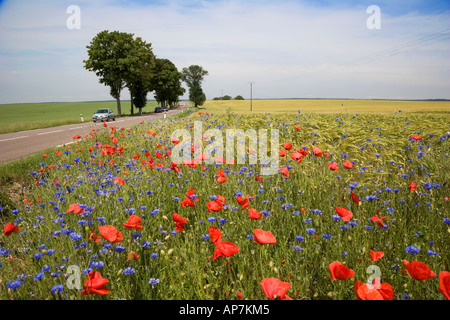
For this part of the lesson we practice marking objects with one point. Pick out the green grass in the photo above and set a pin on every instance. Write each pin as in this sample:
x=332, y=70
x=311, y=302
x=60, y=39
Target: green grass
x=19, y=117
x=385, y=159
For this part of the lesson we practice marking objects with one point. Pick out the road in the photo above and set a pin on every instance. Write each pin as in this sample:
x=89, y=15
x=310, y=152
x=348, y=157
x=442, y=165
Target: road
x=17, y=145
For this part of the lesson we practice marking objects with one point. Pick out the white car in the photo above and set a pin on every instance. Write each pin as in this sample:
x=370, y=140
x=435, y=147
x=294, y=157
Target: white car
x=103, y=115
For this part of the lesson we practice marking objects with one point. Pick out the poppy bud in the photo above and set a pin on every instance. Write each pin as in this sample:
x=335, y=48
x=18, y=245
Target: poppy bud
x=170, y=252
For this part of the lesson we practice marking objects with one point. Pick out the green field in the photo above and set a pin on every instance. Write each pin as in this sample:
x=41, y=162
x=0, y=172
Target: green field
x=27, y=116
x=326, y=106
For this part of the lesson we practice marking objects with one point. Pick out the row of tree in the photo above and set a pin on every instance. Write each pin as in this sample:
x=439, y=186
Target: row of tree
x=227, y=97
x=122, y=61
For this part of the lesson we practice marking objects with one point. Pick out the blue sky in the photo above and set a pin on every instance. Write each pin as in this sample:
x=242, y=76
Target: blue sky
x=289, y=49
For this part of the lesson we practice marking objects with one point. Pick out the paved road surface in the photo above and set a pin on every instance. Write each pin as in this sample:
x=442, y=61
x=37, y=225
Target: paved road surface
x=17, y=145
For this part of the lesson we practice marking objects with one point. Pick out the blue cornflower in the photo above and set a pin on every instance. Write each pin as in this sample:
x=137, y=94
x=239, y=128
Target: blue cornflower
x=75, y=236
x=39, y=276
x=446, y=220
x=37, y=256
x=326, y=236
x=119, y=249
x=128, y=271
x=154, y=255
x=46, y=268
x=211, y=219
x=14, y=285
x=299, y=238
x=153, y=282
x=412, y=249
x=311, y=230
x=336, y=217
x=57, y=289
x=205, y=237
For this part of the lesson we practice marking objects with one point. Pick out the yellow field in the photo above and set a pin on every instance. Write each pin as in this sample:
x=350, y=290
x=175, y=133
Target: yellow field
x=326, y=106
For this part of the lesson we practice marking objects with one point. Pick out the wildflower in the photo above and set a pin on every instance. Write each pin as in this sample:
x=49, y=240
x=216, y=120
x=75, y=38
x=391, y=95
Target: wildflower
x=297, y=248
x=264, y=237
x=95, y=284
x=57, y=288
x=254, y=214
x=225, y=249
x=13, y=285
x=376, y=255
x=339, y=271
x=10, y=228
x=444, y=284
x=133, y=222
x=275, y=289
x=128, y=271
x=412, y=249
x=215, y=234
x=344, y=213
x=366, y=291
x=110, y=233
x=419, y=270
x=153, y=282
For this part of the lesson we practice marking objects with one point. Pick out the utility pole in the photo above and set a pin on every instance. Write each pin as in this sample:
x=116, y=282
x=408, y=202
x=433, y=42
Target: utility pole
x=251, y=91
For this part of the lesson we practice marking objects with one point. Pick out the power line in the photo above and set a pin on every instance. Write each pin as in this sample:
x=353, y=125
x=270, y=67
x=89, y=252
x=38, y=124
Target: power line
x=414, y=44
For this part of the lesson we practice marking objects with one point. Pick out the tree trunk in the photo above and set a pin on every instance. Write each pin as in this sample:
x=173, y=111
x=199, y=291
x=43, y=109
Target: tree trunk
x=131, y=97
x=119, y=109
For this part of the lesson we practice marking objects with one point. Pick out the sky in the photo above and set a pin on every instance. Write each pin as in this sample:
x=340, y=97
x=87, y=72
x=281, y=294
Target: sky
x=286, y=48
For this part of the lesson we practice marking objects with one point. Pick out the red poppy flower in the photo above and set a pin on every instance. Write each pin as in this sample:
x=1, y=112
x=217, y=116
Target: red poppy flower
x=179, y=222
x=367, y=291
x=10, y=228
x=339, y=271
x=74, y=207
x=94, y=237
x=214, y=206
x=222, y=176
x=110, y=233
x=187, y=202
x=244, y=202
x=317, y=152
x=118, y=180
x=275, y=289
x=419, y=270
x=254, y=214
x=444, y=284
x=220, y=199
x=282, y=153
x=285, y=171
x=416, y=137
x=225, y=249
x=412, y=186
x=239, y=295
x=287, y=146
x=344, y=213
x=304, y=151
x=297, y=127
x=95, y=284
x=333, y=166
x=376, y=255
x=297, y=156
x=347, y=164
x=355, y=198
x=133, y=222
x=378, y=221
x=133, y=256
x=215, y=234
x=259, y=178
x=264, y=237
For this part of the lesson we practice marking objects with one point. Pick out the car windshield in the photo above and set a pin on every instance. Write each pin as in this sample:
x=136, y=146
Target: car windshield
x=102, y=111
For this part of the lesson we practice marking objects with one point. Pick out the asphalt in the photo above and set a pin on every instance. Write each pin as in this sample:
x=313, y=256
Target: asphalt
x=18, y=145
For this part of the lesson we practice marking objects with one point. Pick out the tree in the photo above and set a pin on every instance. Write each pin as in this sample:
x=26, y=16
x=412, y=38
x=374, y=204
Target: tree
x=138, y=75
x=166, y=82
x=109, y=57
x=239, y=97
x=226, y=97
x=193, y=76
